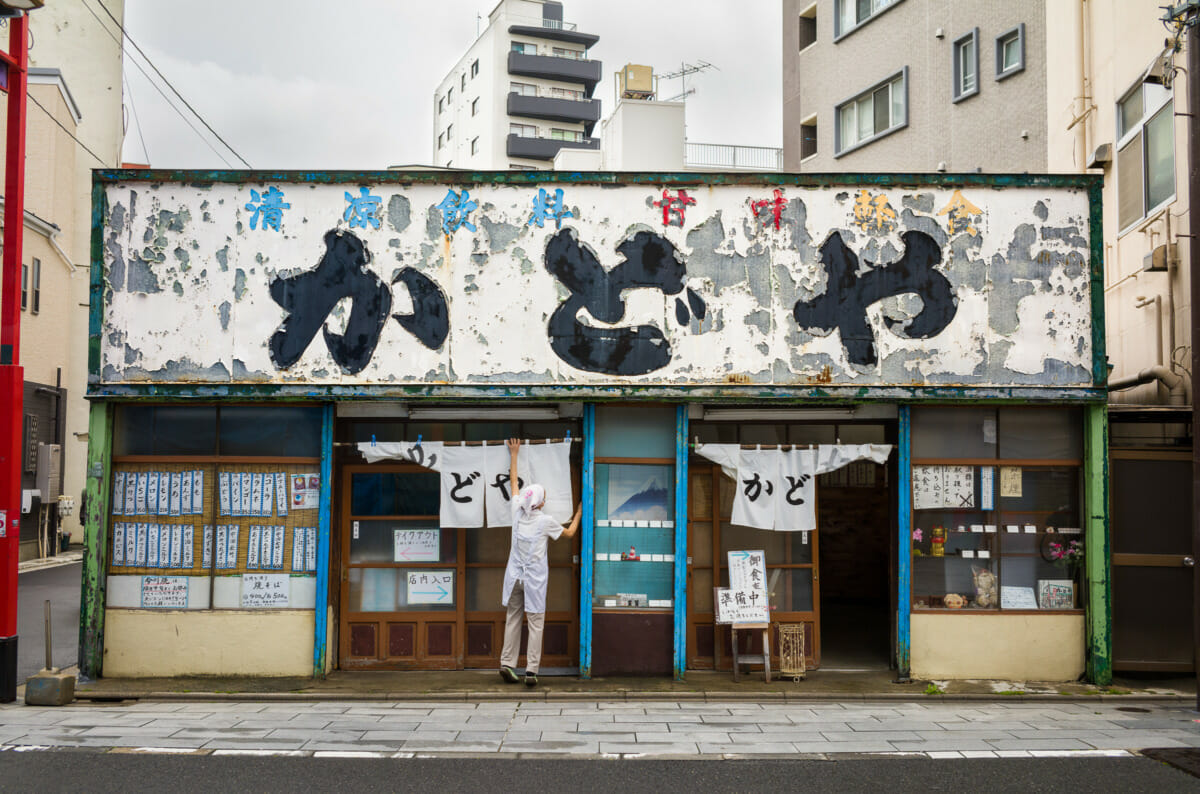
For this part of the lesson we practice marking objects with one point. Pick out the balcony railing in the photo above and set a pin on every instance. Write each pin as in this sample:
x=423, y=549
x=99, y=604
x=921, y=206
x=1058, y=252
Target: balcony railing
x=534, y=22
x=552, y=108
x=544, y=148
x=550, y=67
x=734, y=158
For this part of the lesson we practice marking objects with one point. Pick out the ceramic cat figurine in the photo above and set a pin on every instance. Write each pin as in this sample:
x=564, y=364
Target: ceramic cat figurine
x=985, y=587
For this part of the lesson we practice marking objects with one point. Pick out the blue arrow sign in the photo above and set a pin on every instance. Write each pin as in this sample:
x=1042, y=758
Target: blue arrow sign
x=441, y=592
x=743, y=555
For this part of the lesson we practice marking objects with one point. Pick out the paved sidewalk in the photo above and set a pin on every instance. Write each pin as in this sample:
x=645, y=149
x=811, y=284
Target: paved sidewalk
x=605, y=728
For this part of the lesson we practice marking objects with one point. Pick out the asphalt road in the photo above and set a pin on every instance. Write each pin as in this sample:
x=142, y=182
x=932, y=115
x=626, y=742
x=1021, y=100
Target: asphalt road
x=61, y=585
x=72, y=771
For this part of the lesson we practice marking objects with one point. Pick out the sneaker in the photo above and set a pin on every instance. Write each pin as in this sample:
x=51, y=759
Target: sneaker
x=509, y=675
x=531, y=679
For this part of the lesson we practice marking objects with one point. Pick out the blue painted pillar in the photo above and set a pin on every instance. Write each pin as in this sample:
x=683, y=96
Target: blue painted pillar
x=681, y=489
x=321, y=607
x=587, y=556
x=904, y=547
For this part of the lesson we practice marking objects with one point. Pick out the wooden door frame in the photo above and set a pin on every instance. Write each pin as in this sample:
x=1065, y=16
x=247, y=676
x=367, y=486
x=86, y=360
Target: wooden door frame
x=1134, y=560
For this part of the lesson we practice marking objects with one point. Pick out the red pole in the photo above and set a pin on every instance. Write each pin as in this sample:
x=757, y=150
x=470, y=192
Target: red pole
x=12, y=379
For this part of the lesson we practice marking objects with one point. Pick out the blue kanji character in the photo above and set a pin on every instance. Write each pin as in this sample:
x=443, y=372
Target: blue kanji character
x=455, y=208
x=269, y=206
x=362, y=210
x=543, y=208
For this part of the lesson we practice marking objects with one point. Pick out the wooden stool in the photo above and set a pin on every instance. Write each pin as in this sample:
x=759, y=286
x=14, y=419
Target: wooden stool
x=764, y=660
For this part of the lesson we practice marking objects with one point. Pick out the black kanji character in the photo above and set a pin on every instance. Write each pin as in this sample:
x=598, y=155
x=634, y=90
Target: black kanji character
x=848, y=295
x=461, y=482
x=795, y=484
x=650, y=260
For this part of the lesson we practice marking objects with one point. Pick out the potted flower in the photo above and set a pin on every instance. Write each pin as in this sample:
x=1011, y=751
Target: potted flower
x=1067, y=555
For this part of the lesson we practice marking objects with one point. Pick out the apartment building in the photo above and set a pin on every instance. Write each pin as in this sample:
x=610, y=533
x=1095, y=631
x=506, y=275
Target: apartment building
x=521, y=92
x=914, y=85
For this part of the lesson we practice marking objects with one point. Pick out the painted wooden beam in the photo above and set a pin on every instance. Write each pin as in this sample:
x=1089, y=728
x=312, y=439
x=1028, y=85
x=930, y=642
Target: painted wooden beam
x=324, y=533
x=587, y=556
x=904, y=546
x=94, y=516
x=681, y=503
x=1097, y=546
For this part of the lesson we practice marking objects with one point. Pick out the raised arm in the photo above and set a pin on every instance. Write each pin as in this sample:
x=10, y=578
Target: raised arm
x=570, y=530
x=514, y=482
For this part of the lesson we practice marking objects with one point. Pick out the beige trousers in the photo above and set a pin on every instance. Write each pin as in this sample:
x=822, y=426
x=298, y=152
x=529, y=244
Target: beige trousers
x=512, y=632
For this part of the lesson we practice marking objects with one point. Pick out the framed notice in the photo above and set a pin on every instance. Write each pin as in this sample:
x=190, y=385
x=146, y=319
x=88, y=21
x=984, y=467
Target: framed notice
x=1056, y=593
x=1017, y=598
x=265, y=590
x=164, y=592
x=416, y=545
x=431, y=587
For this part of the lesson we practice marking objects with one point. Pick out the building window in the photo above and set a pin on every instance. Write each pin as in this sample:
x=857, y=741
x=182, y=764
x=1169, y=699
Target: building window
x=850, y=14
x=474, y=68
x=808, y=27
x=966, y=66
x=36, y=303
x=515, y=167
x=1010, y=52
x=523, y=48
x=475, y=145
x=566, y=135
x=524, y=89
x=475, y=106
x=564, y=52
x=449, y=132
x=441, y=105
x=463, y=83
x=996, y=499
x=872, y=114
x=523, y=130
x=1145, y=152
x=441, y=139
x=566, y=93
x=808, y=137
x=24, y=287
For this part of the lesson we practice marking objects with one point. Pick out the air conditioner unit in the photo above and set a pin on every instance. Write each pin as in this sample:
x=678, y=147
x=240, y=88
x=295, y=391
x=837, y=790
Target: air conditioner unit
x=49, y=471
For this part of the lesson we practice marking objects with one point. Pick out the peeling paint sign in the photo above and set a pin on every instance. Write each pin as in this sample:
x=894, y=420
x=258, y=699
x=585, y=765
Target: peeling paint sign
x=408, y=282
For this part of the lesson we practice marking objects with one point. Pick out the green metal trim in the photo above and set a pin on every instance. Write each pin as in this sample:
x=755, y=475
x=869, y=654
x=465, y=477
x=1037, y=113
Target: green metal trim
x=1096, y=241
x=1096, y=546
x=812, y=396
x=95, y=540
x=96, y=279
x=203, y=178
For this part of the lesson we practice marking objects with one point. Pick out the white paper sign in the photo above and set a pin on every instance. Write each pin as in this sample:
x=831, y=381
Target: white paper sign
x=741, y=606
x=416, y=545
x=1017, y=598
x=306, y=491
x=118, y=546
x=265, y=590
x=431, y=587
x=748, y=570
x=222, y=547
x=281, y=493
x=253, y=546
x=298, y=535
x=118, y=505
x=198, y=492
x=225, y=489
x=164, y=592
x=310, y=549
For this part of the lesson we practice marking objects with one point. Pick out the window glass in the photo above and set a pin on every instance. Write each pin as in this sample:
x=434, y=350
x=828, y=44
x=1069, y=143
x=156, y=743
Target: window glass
x=1160, y=158
x=1010, y=52
x=883, y=108
x=848, y=126
x=386, y=590
x=764, y=434
x=374, y=541
x=966, y=61
x=861, y=434
x=953, y=432
x=133, y=430
x=395, y=494
x=1130, y=111
x=1129, y=182
x=812, y=434
x=866, y=117
x=644, y=431
x=272, y=431
x=185, y=430
x=1047, y=433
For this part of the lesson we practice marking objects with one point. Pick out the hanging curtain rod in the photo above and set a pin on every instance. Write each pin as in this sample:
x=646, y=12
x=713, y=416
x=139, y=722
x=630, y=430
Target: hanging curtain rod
x=532, y=442
x=783, y=447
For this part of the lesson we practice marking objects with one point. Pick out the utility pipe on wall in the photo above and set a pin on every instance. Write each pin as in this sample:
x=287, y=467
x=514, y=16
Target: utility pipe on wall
x=1177, y=393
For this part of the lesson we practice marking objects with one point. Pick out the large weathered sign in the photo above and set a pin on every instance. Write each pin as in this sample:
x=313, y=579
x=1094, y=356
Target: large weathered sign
x=399, y=282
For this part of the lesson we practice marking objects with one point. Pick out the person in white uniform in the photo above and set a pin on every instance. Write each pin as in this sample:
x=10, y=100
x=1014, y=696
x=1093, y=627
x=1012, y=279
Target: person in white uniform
x=528, y=573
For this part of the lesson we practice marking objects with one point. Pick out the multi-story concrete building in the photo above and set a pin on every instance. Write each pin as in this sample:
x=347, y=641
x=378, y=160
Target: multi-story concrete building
x=520, y=93
x=914, y=85
x=74, y=92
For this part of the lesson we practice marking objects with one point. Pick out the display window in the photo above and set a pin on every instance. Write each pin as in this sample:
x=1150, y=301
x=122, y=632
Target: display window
x=996, y=505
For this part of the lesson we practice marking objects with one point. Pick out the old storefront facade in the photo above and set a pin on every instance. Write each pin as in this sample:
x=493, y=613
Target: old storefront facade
x=300, y=383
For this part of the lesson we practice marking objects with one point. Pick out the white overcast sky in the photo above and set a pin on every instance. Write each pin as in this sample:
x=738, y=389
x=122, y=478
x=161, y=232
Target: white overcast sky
x=347, y=84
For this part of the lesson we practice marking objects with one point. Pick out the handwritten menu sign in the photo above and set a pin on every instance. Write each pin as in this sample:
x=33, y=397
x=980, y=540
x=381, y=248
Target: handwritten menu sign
x=1010, y=482
x=265, y=590
x=942, y=487
x=416, y=545
x=745, y=600
x=164, y=592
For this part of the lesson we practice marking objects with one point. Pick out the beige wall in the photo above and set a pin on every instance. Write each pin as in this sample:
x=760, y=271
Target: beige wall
x=1105, y=47
x=141, y=643
x=1008, y=647
x=58, y=189
x=984, y=131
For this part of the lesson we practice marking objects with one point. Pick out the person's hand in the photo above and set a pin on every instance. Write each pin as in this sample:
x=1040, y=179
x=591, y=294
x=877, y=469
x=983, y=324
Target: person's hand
x=514, y=445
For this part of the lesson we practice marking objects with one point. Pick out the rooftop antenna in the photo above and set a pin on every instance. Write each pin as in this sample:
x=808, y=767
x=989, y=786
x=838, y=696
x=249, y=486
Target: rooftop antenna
x=686, y=69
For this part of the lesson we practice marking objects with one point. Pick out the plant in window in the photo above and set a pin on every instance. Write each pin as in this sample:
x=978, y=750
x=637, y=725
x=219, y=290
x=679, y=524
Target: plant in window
x=1066, y=555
